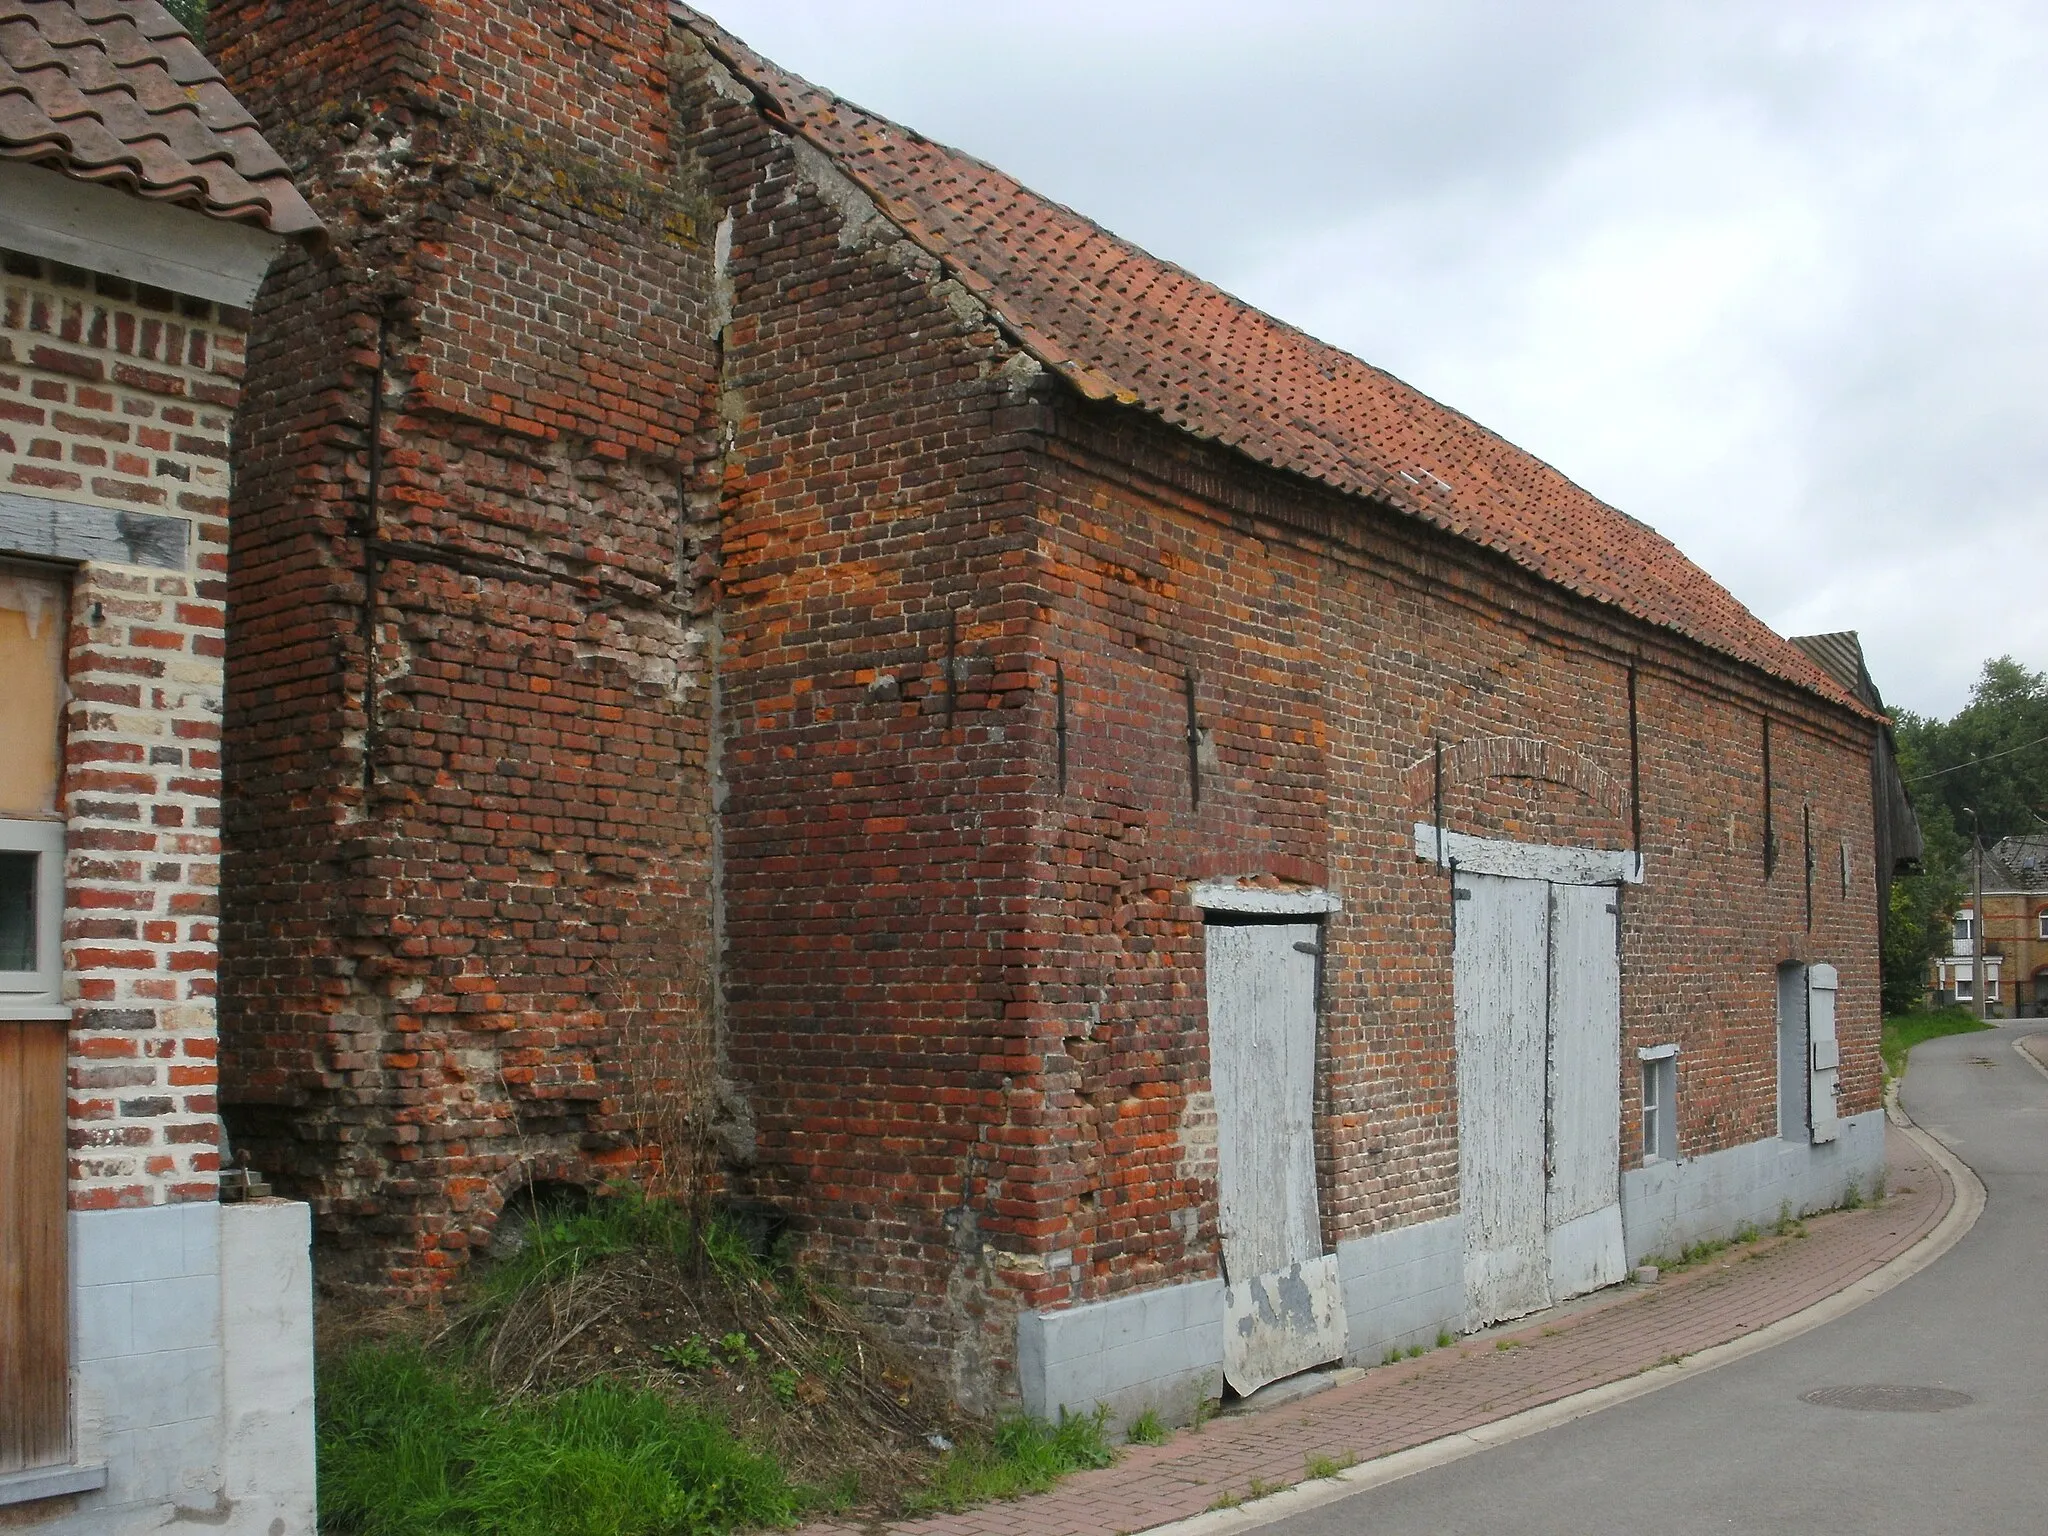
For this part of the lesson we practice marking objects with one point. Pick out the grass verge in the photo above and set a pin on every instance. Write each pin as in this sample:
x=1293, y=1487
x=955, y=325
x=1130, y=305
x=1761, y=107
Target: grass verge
x=411, y=1447
x=1907, y=1030
x=615, y=1373
x=1023, y=1455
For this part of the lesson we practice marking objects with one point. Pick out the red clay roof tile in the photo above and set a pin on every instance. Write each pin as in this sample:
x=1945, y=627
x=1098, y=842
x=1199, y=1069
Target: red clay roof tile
x=114, y=91
x=1123, y=325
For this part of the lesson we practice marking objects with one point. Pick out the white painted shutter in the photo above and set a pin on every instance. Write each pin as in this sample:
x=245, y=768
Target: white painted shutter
x=1583, y=1213
x=1500, y=997
x=1283, y=1305
x=1824, y=1057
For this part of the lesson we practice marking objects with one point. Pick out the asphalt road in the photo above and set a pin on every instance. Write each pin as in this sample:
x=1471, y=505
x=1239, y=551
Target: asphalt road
x=1737, y=1450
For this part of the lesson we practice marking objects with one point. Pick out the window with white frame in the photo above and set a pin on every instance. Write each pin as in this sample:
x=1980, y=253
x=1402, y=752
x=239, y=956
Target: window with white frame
x=31, y=915
x=33, y=603
x=2042, y=919
x=1965, y=922
x=1660, y=1103
x=1966, y=987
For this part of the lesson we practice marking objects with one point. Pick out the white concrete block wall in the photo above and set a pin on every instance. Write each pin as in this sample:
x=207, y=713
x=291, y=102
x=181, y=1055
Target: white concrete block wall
x=1160, y=1350
x=1403, y=1287
x=192, y=1343
x=266, y=1283
x=1666, y=1205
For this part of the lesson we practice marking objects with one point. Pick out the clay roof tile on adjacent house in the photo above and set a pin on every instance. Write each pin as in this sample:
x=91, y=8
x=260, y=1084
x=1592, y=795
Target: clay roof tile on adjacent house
x=114, y=91
x=1122, y=325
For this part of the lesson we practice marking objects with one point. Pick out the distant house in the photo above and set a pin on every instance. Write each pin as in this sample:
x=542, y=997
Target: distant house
x=155, y=1344
x=2015, y=933
x=1168, y=855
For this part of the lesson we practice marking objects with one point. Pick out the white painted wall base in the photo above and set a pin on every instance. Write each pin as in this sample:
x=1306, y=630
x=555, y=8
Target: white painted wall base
x=1664, y=1206
x=192, y=1343
x=266, y=1282
x=1161, y=1350
x=1403, y=1287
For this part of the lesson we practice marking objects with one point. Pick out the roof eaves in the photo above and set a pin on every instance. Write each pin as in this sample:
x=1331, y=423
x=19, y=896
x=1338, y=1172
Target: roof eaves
x=1093, y=383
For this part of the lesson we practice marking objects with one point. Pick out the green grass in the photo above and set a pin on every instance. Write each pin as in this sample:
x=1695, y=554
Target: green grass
x=623, y=1220
x=409, y=1447
x=1146, y=1429
x=1907, y=1030
x=1023, y=1455
x=1708, y=1247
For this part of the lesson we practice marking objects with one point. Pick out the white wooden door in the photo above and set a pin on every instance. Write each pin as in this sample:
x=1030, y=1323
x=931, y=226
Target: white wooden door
x=1795, y=1062
x=1282, y=1306
x=1825, y=1053
x=1583, y=1203
x=1500, y=995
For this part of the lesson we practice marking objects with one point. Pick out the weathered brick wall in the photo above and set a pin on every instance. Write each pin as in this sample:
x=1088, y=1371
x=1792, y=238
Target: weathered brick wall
x=1332, y=649
x=877, y=751
x=468, y=943
x=113, y=395
x=939, y=690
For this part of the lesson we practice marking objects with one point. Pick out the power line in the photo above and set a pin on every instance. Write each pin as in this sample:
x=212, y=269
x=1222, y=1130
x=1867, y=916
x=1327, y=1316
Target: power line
x=1973, y=762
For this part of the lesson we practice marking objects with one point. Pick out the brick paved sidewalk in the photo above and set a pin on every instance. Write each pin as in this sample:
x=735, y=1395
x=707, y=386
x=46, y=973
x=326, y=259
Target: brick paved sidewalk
x=1479, y=1380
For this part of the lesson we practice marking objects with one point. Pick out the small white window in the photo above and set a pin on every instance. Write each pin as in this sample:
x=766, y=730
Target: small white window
x=32, y=638
x=2043, y=921
x=1660, y=1103
x=31, y=917
x=1966, y=987
x=1964, y=922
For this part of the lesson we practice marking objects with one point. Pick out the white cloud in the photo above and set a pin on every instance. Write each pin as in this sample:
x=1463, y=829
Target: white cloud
x=1770, y=278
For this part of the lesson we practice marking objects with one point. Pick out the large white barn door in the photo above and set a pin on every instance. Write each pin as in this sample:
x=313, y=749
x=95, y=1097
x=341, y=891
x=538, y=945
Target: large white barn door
x=1825, y=1054
x=1584, y=1202
x=1282, y=1305
x=1500, y=996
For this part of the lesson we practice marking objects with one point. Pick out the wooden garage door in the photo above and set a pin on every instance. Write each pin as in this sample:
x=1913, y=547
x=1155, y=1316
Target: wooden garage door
x=34, y=1395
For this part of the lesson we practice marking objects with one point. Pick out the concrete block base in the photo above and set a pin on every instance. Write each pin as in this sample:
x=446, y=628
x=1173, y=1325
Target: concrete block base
x=1161, y=1350
x=1666, y=1205
x=1403, y=1287
x=192, y=1383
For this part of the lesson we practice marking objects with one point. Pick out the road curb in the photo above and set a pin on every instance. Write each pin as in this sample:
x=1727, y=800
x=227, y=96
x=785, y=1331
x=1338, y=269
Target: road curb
x=1964, y=1209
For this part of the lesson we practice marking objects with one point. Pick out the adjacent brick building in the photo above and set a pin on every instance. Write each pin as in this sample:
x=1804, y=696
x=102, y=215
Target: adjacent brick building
x=2010, y=954
x=765, y=649
x=155, y=1344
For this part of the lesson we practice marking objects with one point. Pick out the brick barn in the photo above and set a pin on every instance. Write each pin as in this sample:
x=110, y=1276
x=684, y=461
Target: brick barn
x=765, y=649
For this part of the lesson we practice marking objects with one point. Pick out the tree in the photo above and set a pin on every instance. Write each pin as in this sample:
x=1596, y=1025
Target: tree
x=1922, y=907
x=192, y=15
x=1991, y=759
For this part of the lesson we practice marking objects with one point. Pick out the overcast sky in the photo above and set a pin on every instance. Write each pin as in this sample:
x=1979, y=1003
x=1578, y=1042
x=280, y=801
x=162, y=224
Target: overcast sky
x=1771, y=277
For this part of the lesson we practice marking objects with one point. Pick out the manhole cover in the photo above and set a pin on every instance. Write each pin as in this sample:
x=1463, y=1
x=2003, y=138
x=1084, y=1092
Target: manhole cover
x=1887, y=1399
